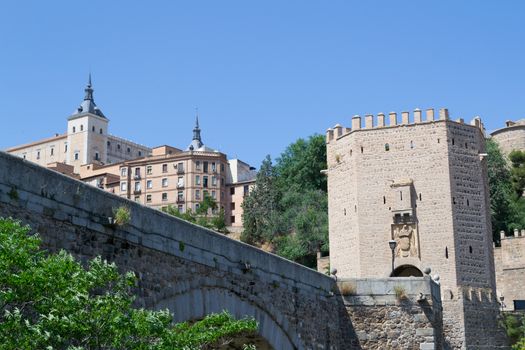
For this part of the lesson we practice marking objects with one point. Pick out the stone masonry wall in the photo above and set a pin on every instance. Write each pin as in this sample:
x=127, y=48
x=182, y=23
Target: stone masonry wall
x=188, y=269
x=510, y=267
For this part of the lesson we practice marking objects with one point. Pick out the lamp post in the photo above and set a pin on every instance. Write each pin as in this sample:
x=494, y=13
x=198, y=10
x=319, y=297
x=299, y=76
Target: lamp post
x=393, y=244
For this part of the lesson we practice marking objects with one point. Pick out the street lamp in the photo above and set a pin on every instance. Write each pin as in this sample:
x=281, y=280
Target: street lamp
x=393, y=244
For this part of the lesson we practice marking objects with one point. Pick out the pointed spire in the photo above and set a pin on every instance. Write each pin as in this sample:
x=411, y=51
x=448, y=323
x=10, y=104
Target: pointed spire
x=89, y=90
x=196, y=129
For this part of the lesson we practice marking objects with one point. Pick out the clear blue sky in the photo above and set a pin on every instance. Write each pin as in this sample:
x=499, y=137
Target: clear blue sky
x=263, y=73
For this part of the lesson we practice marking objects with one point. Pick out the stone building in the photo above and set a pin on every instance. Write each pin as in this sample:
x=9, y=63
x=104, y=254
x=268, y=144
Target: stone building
x=86, y=141
x=509, y=260
x=511, y=137
x=422, y=183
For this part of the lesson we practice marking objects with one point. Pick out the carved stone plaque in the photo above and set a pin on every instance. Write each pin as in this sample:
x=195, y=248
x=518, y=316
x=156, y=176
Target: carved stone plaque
x=405, y=234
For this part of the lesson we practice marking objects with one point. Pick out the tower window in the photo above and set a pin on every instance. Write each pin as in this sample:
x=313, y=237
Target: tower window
x=446, y=252
x=74, y=129
x=118, y=146
x=109, y=143
x=93, y=128
x=412, y=144
x=470, y=249
x=384, y=200
x=96, y=156
x=401, y=195
x=387, y=147
x=38, y=155
x=453, y=142
x=466, y=144
x=140, y=153
x=129, y=150
x=420, y=197
x=361, y=149
x=76, y=155
x=100, y=131
x=468, y=203
x=65, y=147
x=52, y=151
x=81, y=127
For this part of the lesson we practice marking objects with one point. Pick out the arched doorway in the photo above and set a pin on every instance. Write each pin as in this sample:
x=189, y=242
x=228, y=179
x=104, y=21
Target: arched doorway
x=407, y=271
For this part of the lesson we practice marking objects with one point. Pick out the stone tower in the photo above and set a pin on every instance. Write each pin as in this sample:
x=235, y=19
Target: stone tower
x=87, y=133
x=422, y=183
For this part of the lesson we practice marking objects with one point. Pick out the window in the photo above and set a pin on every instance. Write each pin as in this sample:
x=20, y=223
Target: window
x=197, y=194
x=232, y=206
x=129, y=150
x=205, y=167
x=96, y=156
x=52, y=151
x=137, y=172
x=137, y=186
x=232, y=190
x=124, y=172
x=197, y=207
x=180, y=195
x=164, y=168
x=411, y=144
x=232, y=219
x=24, y=156
x=180, y=181
x=198, y=164
x=246, y=190
x=118, y=146
x=81, y=127
x=74, y=129
x=165, y=182
x=387, y=147
x=76, y=155
x=140, y=153
x=197, y=180
x=180, y=207
x=213, y=195
x=213, y=181
x=205, y=181
x=93, y=128
x=213, y=168
x=37, y=154
x=222, y=167
x=164, y=196
x=100, y=131
x=123, y=186
x=149, y=170
x=109, y=143
x=65, y=147
x=148, y=198
x=137, y=198
x=180, y=167
x=149, y=184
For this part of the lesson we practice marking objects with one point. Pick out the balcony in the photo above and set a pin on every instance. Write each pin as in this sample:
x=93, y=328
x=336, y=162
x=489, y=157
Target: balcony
x=180, y=186
x=180, y=171
x=139, y=191
x=136, y=177
x=180, y=200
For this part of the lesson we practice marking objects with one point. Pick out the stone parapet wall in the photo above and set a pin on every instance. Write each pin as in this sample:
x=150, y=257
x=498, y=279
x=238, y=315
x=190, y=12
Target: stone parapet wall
x=510, y=268
x=394, y=313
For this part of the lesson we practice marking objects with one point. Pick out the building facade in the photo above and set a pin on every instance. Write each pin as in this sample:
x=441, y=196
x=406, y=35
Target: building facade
x=421, y=183
x=157, y=177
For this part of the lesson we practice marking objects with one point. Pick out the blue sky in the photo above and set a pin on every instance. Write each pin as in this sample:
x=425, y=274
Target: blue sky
x=262, y=73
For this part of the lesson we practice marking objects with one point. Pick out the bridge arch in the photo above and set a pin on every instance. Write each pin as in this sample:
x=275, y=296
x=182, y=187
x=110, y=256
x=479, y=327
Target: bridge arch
x=198, y=302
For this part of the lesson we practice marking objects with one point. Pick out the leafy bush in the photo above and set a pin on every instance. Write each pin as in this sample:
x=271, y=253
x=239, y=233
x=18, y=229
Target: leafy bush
x=122, y=215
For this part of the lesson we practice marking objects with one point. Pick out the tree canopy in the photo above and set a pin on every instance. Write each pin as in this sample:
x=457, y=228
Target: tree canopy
x=288, y=208
x=50, y=301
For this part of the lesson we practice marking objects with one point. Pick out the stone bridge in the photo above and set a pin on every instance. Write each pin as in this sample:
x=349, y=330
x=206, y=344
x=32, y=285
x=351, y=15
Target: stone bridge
x=193, y=271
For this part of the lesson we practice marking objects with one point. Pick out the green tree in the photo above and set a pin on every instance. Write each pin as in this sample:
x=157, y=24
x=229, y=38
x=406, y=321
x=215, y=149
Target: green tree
x=299, y=166
x=50, y=301
x=517, y=159
x=261, y=206
x=501, y=190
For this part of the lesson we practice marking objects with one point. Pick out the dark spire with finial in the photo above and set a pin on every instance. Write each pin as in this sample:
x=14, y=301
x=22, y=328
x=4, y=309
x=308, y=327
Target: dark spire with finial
x=88, y=105
x=89, y=90
x=196, y=129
